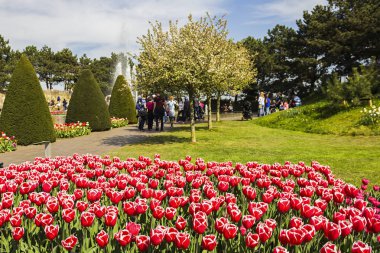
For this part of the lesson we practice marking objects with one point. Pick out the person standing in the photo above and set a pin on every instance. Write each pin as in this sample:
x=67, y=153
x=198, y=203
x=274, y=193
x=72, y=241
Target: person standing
x=261, y=103
x=150, y=107
x=64, y=103
x=267, y=104
x=170, y=110
x=159, y=112
x=180, y=111
x=186, y=110
x=141, y=112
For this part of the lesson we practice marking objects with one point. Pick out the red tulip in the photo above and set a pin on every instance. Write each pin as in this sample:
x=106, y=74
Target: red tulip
x=345, y=227
x=209, y=242
x=249, y=192
x=156, y=236
x=18, y=233
x=81, y=206
x=170, y=213
x=248, y=221
x=15, y=220
x=171, y=234
x=252, y=240
x=99, y=210
x=158, y=212
x=87, y=219
x=358, y=223
x=200, y=222
x=307, y=211
x=52, y=205
x=102, y=239
x=51, y=231
x=70, y=242
x=223, y=186
x=220, y=223
x=264, y=231
x=30, y=212
x=296, y=236
x=110, y=219
x=180, y=224
x=129, y=208
x=329, y=248
x=124, y=237
x=309, y=232
x=142, y=242
x=295, y=222
x=283, y=205
x=133, y=228
x=332, y=231
x=68, y=215
x=280, y=249
x=361, y=247
x=182, y=241
x=230, y=231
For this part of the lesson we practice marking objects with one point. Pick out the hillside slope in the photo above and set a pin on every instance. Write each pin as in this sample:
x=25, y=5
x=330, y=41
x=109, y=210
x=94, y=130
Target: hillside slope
x=321, y=118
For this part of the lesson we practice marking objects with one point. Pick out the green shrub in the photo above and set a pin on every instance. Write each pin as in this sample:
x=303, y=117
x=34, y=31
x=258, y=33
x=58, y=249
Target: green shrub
x=25, y=112
x=122, y=104
x=87, y=104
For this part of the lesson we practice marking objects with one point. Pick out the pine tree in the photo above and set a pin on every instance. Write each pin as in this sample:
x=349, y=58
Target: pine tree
x=25, y=112
x=87, y=104
x=122, y=104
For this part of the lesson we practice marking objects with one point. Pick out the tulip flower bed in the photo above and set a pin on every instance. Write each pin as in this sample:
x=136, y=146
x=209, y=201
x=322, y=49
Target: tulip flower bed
x=7, y=143
x=100, y=204
x=70, y=130
x=118, y=122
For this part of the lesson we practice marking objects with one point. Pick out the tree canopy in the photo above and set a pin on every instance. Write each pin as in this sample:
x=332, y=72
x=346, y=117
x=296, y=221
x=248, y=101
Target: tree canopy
x=196, y=58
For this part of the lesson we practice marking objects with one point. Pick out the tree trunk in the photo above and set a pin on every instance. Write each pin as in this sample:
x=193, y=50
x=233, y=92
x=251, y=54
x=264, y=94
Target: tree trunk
x=47, y=85
x=218, y=107
x=209, y=117
x=192, y=121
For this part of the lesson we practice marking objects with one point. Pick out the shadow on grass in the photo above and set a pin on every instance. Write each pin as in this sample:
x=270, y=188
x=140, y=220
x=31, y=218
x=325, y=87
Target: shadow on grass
x=123, y=140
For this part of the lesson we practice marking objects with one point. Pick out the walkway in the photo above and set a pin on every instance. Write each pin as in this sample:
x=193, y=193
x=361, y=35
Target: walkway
x=95, y=143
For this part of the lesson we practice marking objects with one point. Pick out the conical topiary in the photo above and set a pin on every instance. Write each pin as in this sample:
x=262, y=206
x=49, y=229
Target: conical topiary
x=25, y=112
x=87, y=104
x=122, y=104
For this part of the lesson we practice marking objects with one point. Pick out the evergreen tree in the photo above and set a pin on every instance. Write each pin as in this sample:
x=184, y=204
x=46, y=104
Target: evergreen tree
x=87, y=104
x=122, y=104
x=25, y=112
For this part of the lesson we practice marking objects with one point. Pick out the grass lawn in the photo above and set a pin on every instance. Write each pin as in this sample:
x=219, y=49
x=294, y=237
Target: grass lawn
x=350, y=158
x=321, y=118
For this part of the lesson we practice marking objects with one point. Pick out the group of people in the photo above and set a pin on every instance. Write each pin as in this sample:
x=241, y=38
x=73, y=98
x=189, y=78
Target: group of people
x=277, y=102
x=156, y=109
x=57, y=105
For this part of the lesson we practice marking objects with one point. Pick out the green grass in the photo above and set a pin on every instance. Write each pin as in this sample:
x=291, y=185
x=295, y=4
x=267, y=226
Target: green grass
x=350, y=158
x=320, y=118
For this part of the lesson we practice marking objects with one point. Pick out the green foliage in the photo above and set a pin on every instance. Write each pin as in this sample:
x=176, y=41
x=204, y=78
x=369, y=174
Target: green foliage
x=5, y=62
x=122, y=104
x=322, y=118
x=358, y=86
x=25, y=112
x=87, y=104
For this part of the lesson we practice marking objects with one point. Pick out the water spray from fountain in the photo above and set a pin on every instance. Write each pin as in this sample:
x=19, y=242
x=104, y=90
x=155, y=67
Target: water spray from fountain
x=125, y=67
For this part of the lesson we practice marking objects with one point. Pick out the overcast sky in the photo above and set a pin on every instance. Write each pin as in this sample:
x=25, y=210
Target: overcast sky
x=99, y=27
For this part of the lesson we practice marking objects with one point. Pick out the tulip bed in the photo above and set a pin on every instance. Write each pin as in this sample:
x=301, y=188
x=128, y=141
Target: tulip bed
x=98, y=204
x=7, y=143
x=70, y=130
x=118, y=122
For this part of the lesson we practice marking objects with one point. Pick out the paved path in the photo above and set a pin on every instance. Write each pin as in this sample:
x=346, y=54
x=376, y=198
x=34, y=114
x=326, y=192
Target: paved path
x=95, y=143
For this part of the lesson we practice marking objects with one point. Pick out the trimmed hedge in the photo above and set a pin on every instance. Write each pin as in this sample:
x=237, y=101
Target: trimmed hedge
x=87, y=104
x=122, y=104
x=25, y=111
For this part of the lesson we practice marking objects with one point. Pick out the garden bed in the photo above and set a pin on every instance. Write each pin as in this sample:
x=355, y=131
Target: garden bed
x=91, y=202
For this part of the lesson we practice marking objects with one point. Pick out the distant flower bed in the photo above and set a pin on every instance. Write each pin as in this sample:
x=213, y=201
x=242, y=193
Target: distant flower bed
x=70, y=130
x=58, y=112
x=119, y=122
x=7, y=143
x=370, y=116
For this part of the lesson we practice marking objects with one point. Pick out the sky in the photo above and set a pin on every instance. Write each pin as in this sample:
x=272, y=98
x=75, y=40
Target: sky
x=99, y=27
